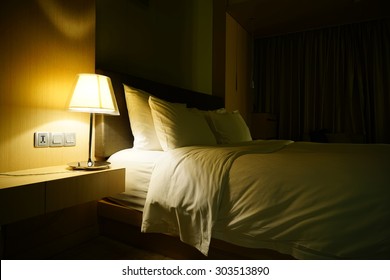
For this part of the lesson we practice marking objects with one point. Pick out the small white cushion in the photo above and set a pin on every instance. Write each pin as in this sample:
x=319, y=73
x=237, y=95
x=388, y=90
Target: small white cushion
x=229, y=127
x=178, y=126
x=141, y=121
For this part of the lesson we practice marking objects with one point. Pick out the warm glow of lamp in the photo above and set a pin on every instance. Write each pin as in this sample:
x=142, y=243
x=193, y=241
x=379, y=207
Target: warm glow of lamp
x=92, y=94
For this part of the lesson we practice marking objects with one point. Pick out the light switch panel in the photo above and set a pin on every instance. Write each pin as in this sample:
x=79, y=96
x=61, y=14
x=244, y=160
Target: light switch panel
x=56, y=139
x=70, y=139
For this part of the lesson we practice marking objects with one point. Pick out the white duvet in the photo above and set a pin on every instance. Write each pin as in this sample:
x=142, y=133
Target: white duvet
x=312, y=201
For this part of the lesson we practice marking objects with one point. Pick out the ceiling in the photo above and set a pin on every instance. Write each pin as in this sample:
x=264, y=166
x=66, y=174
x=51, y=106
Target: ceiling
x=272, y=17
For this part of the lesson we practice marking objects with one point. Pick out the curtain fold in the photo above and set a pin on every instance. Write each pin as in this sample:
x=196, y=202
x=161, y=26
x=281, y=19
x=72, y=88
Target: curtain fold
x=335, y=80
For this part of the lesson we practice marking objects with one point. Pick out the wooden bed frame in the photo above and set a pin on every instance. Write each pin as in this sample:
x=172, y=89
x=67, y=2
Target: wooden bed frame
x=124, y=224
x=121, y=223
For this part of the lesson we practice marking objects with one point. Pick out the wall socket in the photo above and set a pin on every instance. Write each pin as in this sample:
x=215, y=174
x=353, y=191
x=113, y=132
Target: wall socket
x=41, y=139
x=54, y=139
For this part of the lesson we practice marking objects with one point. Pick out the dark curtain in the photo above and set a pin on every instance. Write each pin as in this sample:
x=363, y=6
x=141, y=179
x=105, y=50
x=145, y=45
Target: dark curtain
x=334, y=80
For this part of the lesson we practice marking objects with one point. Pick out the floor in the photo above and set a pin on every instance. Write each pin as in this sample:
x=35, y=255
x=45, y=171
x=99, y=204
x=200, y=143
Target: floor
x=103, y=248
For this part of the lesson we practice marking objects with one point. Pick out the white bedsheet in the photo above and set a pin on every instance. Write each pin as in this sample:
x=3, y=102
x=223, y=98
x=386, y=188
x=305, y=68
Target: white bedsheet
x=312, y=201
x=139, y=166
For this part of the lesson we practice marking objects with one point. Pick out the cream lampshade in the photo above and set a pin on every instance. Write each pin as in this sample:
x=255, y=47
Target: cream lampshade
x=92, y=93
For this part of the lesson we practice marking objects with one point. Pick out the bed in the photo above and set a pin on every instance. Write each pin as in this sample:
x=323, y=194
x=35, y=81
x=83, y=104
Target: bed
x=200, y=187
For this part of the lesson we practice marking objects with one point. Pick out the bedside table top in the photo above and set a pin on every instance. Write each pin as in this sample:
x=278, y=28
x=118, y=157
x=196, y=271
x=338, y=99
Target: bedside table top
x=43, y=174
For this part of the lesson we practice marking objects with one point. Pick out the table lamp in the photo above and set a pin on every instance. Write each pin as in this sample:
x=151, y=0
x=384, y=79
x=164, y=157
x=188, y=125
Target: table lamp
x=92, y=93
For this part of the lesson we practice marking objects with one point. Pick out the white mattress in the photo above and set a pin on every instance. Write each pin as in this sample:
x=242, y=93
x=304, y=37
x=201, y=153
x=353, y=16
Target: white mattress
x=139, y=165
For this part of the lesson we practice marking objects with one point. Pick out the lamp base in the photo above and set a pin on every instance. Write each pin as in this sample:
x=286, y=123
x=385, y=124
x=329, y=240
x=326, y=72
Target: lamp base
x=83, y=165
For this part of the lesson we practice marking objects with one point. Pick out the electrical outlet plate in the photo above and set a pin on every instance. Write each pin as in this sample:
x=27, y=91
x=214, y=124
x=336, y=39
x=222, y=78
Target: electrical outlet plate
x=54, y=139
x=41, y=139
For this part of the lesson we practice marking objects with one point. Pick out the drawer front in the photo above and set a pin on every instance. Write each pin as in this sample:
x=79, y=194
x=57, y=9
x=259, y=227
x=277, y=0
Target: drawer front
x=81, y=189
x=22, y=202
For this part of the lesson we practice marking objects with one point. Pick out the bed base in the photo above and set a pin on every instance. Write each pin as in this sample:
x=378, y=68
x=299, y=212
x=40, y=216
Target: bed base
x=123, y=224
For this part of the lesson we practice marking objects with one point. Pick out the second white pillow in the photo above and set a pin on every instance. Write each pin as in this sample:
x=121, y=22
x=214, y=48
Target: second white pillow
x=177, y=126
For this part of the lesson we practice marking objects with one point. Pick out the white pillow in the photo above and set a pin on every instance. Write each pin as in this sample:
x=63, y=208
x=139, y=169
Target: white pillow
x=141, y=121
x=177, y=126
x=229, y=127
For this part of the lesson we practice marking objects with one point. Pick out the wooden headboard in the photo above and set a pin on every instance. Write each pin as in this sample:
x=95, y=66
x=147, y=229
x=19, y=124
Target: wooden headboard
x=113, y=133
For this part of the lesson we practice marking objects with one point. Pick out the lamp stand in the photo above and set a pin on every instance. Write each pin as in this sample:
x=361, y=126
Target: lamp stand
x=90, y=164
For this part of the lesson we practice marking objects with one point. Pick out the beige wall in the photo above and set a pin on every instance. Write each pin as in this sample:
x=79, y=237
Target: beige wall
x=192, y=44
x=238, y=69
x=44, y=44
x=166, y=41
x=219, y=48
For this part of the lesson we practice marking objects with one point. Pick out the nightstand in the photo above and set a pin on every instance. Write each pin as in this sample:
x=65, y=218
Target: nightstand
x=33, y=192
x=45, y=211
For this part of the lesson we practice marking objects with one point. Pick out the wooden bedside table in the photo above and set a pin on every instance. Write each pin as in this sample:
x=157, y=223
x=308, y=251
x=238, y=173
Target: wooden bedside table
x=45, y=211
x=28, y=193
